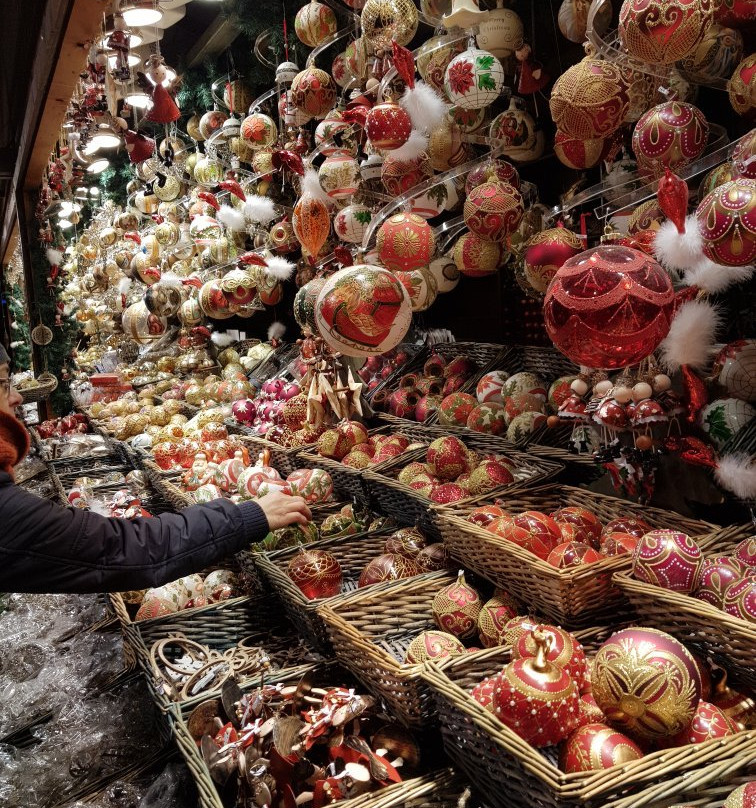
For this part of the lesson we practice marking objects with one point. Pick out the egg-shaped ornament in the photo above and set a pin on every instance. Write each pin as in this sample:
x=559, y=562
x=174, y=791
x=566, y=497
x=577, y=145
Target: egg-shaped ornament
x=388, y=567
x=670, y=135
x=545, y=253
x=433, y=645
x=590, y=99
x=727, y=222
x=339, y=70
x=722, y=419
x=646, y=682
x=313, y=23
x=259, y=131
x=474, y=79
x=405, y=242
x=433, y=58
x=141, y=325
x=311, y=223
x=741, y=87
x=456, y=608
x=351, y=223
x=668, y=558
x=475, y=256
x=735, y=369
x=386, y=21
x=664, y=31
x=339, y=176
x=190, y=312
x=594, y=747
x=388, y=126
x=363, y=310
x=445, y=273
x=609, y=307
x=214, y=302
x=420, y=286
x=212, y=122
x=716, y=55
x=317, y=573
x=313, y=92
x=493, y=211
x=500, y=32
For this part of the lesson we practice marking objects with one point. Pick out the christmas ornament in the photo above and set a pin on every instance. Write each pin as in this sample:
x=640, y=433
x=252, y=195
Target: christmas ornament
x=573, y=19
x=735, y=369
x=664, y=31
x=564, y=651
x=668, y=559
x=727, y=222
x=716, y=55
x=646, y=682
x=387, y=126
x=596, y=746
x=407, y=541
x=386, y=21
x=609, y=307
x=333, y=134
x=259, y=131
x=740, y=599
x=587, y=525
x=493, y=211
x=339, y=176
x=363, y=310
x=432, y=645
x=578, y=153
x=475, y=257
x=716, y=576
x=742, y=86
x=514, y=130
x=573, y=554
x=709, y=722
x=316, y=572
x=669, y=136
x=433, y=58
x=351, y=223
x=589, y=100
x=311, y=223
x=724, y=418
x=313, y=23
x=405, y=241
x=744, y=796
x=399, y=176
x=536, y=698
x=545, y=253
x=456, y=608
x=500, y=32
x=745, y=552
x=313, y=485
x=388, y=567
x=489, y=387
x=494, y=616
x=420, y=286
x=474, y=79
x=313, y=92
x=491, y=419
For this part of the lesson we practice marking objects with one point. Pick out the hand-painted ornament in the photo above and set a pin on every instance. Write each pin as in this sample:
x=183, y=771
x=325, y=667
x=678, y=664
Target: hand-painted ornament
x=578, y=153
x=536, y=698
x=743, y=796
x=339, y=176
x=405, y=241
x=311, y=223
x=573, y=554
x=493, y=211
x=727, y=221
x=573, y=19
x=313, y=92
x=524, y=382
x=545, y=253
x=500, y=32
x=313, y=485
x=742, y=86
x=665, y=31
x=332, y=134
x=432, y=645
x=669, y=559
x=483, y=692
x=407, y=541
x=740, y=599
x=339, y=70
x=351, y=223
x=388, y=126
x=724, y=418
x=433, y=58
x=313, y=23
x=363, y=310
x=474, y=79
x=589, y=100
x=515, y=131
x=716, y=55
x=735, y=369
x=475, y=256
x=141, y=325
x=709, y=722
x=594, y=747
x=316, y=572
x=564, y=651
x=609, y=307
x=388, y=567
x=745, y=552
x=488, y=389
x=586, y=523
x=212, y=122
x=420, y=286
x=259, y=131
x=384, y=21
x=493, y=618
x=646, y=682
x=618, y=543
x=670, y=135
x=456, y=608
x=399, y=176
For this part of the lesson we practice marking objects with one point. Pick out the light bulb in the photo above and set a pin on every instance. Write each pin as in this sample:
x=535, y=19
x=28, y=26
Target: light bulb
x=98, y=166
x=138, y=100
x=141, y=12
x=64, y=224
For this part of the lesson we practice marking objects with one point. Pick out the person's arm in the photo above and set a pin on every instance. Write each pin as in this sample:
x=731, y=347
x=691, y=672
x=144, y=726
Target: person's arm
x=46, y=548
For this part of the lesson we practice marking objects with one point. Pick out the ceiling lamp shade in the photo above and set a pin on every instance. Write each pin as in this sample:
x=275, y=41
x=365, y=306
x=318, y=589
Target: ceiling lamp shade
x=98, y=166
x=134, y=60
x=106, y=137
x=138, y=100
x=141, y=12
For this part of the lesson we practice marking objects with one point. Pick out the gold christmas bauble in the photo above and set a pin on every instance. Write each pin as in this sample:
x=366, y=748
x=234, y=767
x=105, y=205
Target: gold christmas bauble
x=386, y=20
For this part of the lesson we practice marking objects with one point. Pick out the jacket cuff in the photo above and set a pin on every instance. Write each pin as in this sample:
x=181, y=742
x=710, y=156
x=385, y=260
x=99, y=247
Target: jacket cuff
x=255, y=522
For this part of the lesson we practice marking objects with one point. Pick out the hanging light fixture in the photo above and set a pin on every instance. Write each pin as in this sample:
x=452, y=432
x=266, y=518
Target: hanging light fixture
x=133, y=60
x=98, y=166
x=106, y=137
x=138, y=100
x=141, y=12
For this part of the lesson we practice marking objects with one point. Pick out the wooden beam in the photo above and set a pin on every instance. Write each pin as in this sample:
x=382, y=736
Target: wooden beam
x=217, y=37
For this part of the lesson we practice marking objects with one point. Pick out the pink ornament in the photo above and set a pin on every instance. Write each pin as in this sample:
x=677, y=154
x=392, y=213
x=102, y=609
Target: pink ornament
x=668, y=558
x=746, y=551
x=244, y=410
x=716, y=575
x=609, y=307
x=669, y=136
x=289, y=391
x=740, y=599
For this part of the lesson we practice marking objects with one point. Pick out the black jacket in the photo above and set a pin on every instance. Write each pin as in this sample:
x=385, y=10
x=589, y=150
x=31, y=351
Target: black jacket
x=46, y=548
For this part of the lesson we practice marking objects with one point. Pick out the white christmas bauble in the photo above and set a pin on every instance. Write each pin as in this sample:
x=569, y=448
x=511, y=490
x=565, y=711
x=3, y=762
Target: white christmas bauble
x=474, y=79
x=500, y=32
x=445, y=271
x=351, y=223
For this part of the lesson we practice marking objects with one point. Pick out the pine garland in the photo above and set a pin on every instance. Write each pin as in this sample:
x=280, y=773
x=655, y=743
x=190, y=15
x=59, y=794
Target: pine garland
x=116, y=177
x=21, y=342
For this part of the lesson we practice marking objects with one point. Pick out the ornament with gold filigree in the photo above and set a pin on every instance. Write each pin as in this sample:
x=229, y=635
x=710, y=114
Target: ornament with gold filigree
x=317, y=573
x=493, y=211
x=475, y=256
x=597, y=746
x=384, y=21
x=456, y=608
x=433, y=645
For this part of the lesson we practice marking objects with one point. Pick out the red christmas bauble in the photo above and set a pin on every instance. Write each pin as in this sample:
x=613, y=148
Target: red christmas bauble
x=545, y=252
x=388, y=567
x=743, y=797
x=564, y=651
x=618, y=543
x=313, y=92
x=405, y=242
x=573, y=554
x=609, y=307
x=708, y=722
x=734, y=14
x=495, y=170
x=447, y=457
x=316, y=572
x=543, y=528
x=485, y=514
x=578, y=153
x=493, y=618
x=646, y=682
x=595, y=747
x=727, y=221
x=740, y=599
x=746, y=551
x=456, y=608
x=493, y=210
x=433, y=645
x=388, y=126
x=434, y=557
x=741, y=87
x=716, y=575
x=398, y=175
x=483, y=692
x=586, y=523
x=537, y=699
x=407, y=541
x=668, y=558
x=670, y=135
x=627, y=524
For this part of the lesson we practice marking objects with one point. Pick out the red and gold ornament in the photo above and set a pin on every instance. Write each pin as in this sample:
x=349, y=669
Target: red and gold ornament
x=669, y=559
x=709, y=722
x=573, y=554
x=727, y=221
x=447, y=457
x=313, y=92
x=388, y=567
x=405, y=242
x=493, y=210
x=716, y=576
x=564, y=651
x=545, y=253
x=433, y=645
x=494, y=617
x=596, y=746
x=669, y=136
x=740, y=599
x=316, y=572
x=456, y=608
x=475, y=256
x=587, y=524
x=388, y=126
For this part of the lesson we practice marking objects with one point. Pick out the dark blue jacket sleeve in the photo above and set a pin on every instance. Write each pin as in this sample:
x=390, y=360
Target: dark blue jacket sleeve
x=46, y=548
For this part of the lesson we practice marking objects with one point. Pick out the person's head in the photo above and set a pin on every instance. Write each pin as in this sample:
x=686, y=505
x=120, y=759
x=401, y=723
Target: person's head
x=10, y=398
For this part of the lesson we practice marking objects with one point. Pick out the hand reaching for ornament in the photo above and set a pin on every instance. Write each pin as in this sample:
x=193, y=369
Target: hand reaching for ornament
x=282, y=510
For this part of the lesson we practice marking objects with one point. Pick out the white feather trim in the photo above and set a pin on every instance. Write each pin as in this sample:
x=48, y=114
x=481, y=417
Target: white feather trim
x=679, y=251
x=426, y=108
x=279, y=268
x=171, y=279
x=259, y=209
x=54, y=256
x=415, y=147
x=691, y=337
x=311, y=185
x=221, y=339
x=737, y=473
x=231, y=217
x=276, y=330
x=124, y=285
x=714, y=278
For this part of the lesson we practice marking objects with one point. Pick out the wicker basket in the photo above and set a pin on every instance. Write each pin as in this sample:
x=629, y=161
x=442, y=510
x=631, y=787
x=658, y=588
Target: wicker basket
x=282, y=459
x=729, y=640
x=417, y=355
x=412, y=507
x=513, y=773
x=165, y=486
x=581, y=595
x=370, y=632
